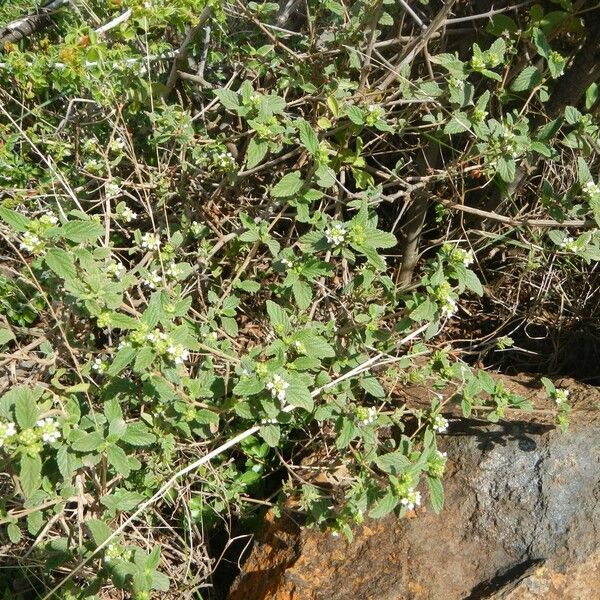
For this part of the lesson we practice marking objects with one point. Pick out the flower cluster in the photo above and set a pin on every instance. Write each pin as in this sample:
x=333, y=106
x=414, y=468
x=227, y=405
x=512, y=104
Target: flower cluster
x=223, y=161
x=437, y=464
x=127, y=214
x=365, y=416
x=116, y=269
x=278, y=386
x=591, y=190
x=99, y=366
x=336, y=234
x=150, y=241
x=163, y=345
x=561, y=396
x=112, y=190
x=439, y=424
x=569, y=244
x=411, y=499
x=446, y=301
x=30, y=242
x=48, y=429
x=458, y=255
x=7, y=431
x=177, y=353
x=375, y=113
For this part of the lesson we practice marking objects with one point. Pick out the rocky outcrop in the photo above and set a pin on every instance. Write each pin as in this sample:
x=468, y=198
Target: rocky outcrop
x=521, y=522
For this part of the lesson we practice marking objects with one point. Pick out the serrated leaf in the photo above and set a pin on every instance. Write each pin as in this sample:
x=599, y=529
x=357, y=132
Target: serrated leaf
x=376, y=238
x=30, y=474
x=347, y=432
x=393, y=462
x=355, y=114
x=248, y=286
x=61, y=263
x=302, y=294
x=145, y=357
x=425, y=311
x=316, y=346
x=372, y=386
x=506, y=169
x=299, y=395
x=308, y=137
x=278, y=317
x=121, y=500
x=121, y=360
x=526, y=79
x=138, y=434
x=230, y=326
x=436, y=494
x=288, y=185
x=229, y=99
x=248, y=386
x=257, y=150
x=14, y=219
x=26, y=410
x=6, y=336
x=271, y=434
x=66, y=463
x=99, y=531
x=384, y=506
x=118, y=459
x=81, y=231
x=90, y=442
x=14, y=533
x=457, y=124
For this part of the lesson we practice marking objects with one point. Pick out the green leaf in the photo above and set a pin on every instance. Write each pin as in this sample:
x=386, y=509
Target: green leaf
x=384, y=506
x=457, y=124
x=248, y=286
x=278, y=317
x=145, y=357
x=30, y=475
x=230, y=326
x=257, y=150
x=99, y=531
x=121, y=360
x=526, y=79
x=436, y=494
x=271, y=434
x=26, y=410
x=6, y=336
x=372, y=386
x=228, y=99
x=506, y=169
x=90, y=442
x=393, y=462
x=425, y=311
x=116, y=429
x=297, y=394
x=66, y=463
x=14, y=533
x=14, y=219
x=308, y=137
x=248, y=386
x=540, y=42
x=302, y=294
x=118, y=459
x=347, y=432
x=288, y=185
x=81, y=231
x=138, y=434
x=355, y=114
x=380, y=239
x=316, y=346
x=472, y=282
x=121, y=500
x=271, y=105
x=61, y=262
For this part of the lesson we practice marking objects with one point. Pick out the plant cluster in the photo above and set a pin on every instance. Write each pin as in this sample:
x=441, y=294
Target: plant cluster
x=233, y=232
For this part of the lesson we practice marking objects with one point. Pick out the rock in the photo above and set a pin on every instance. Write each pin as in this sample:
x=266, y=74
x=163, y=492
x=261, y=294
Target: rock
x=521, y=522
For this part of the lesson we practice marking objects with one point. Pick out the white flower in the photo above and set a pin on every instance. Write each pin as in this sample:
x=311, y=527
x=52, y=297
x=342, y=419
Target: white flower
x=99, y=365
x=173, y=271
x=112, y=190
x=124, y=344
x=278, y=386
x=7, y=430
x=569, y=244
x=367, y=416
x=178, y=354
x=154, y=279
x=299, y=347
x=591, y=189
x=335, y=234
x=449, y=307
x=150, y=241
x=49, y=218
x=468, y=258
x=561, y=396
x=196, y=229
x=31, y=243
x=49, y=430
x=211, y=336
x=117, y=144
x=287, y=263
x=440, y=425
x=411, y=499
x=116, y=269
x=128, y=215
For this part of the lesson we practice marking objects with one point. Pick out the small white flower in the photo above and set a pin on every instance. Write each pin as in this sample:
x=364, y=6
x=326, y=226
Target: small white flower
x=31, y=243
x=50, y=218
x=211, y=336
x=591, y=189
x=117, y=145
x=112, y=190
x=287, y=263
x=178, y=354
x=411, y=500
x=124, y=344
x=369, y=417
x=278, y=387
x=128, y=215
x=150, y=241
x=196, y=229
x=7, y=430
x=440, y=425
x=449, y=307
x=335, y=234
x=299, y=347
x=153, y=280
x=561, y=396
x=49, y=430
x=99, y=365
x=116, y=269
